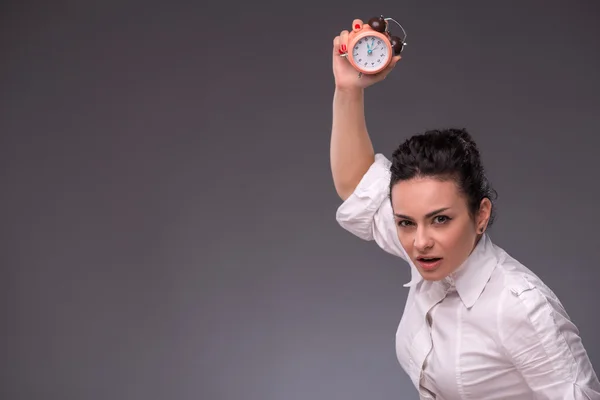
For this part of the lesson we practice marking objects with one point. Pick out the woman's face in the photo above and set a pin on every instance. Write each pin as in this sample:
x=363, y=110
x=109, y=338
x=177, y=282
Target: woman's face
x=434, y=224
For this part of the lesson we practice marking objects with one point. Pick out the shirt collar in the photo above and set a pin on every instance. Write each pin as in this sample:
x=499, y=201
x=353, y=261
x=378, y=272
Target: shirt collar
x=471, y=277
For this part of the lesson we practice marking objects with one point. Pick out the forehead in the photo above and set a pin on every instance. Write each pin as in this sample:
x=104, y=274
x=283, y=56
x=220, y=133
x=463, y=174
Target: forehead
x=419, y=196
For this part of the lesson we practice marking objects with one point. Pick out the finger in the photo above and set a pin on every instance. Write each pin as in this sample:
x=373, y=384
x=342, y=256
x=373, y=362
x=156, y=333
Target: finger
x=357, y=25
x=344, y=41
x=336, y=46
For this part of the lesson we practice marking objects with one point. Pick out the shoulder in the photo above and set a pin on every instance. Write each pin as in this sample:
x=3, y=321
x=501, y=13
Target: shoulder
x=529, y=313
x=521, y=287
x=367, y=212
x=522, y=293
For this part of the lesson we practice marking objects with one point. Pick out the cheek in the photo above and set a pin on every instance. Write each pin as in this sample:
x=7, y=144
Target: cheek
x=458, y=240
x=406, y=238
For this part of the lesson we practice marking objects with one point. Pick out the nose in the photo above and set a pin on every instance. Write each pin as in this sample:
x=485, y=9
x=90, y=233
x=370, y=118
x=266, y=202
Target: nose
x=422, y=241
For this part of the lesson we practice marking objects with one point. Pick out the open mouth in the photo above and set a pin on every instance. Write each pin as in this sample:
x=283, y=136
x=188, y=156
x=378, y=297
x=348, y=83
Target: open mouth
x=429, y=262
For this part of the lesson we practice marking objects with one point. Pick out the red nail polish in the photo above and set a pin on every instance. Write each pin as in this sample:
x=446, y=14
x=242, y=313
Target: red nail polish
x=343, y=47
x=341, y=52
x=357, y=26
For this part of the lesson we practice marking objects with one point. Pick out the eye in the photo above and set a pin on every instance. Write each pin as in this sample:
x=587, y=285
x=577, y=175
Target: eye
x=441, y=219
x=404, y=223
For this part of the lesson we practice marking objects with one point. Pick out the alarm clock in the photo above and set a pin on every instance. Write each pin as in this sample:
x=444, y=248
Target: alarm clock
x=371, y=47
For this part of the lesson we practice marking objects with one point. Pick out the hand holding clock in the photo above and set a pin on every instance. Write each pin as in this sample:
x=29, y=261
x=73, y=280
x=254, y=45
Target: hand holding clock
x=366, y=54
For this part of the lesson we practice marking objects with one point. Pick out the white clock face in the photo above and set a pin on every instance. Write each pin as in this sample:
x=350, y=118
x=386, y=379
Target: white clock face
x=370, y=53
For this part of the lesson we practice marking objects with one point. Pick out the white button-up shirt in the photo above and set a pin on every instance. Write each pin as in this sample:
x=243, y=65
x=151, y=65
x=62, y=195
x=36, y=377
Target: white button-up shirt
x=491, y=330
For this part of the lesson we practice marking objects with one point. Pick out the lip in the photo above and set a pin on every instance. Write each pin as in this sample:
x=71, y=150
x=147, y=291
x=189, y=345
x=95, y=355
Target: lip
x=429, y=265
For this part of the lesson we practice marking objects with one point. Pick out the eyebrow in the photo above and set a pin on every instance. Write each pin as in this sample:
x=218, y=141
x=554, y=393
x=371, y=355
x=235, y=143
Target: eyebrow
x=429, y=215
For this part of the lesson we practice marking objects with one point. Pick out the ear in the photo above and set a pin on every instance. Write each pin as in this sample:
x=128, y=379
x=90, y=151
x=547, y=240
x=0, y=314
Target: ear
x=484, y=214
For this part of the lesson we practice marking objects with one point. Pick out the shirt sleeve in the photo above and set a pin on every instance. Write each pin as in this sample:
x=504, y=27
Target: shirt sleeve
x=544, y=344
x=367, y=212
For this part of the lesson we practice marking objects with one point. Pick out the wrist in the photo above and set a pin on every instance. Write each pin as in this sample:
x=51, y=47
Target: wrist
x=350, y=92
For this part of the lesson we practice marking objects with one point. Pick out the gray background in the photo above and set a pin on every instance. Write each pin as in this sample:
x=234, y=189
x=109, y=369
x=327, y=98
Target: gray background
x=168, y=215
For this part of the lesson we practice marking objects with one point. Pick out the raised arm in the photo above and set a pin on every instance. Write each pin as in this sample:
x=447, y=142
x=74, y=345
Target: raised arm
x=360, y=176
x=351, y=151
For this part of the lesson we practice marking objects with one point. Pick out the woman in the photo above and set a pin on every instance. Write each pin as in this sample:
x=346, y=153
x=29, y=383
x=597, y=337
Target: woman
x=477, y=324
